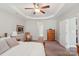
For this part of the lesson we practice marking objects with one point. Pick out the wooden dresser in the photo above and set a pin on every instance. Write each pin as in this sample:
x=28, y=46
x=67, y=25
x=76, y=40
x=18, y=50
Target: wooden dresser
x=78, y=49
x=51, y=35
x=28, y=36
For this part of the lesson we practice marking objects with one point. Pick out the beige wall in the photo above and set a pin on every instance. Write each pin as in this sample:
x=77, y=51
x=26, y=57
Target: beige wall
x=35, y=29
x=8, y=22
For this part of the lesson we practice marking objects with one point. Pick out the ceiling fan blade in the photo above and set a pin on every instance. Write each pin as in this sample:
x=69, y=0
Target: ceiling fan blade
x=45, y=7
x=34, y=3
x=42, y=11
x=29, y=8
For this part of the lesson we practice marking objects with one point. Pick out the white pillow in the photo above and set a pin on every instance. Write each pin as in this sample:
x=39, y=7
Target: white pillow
x=3, y=46
x=12, y=42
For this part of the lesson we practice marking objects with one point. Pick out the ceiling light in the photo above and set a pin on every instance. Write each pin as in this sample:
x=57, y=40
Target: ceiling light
x=37, y=10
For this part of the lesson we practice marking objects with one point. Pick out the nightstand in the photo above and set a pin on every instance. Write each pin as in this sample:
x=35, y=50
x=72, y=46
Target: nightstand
x=77, y=49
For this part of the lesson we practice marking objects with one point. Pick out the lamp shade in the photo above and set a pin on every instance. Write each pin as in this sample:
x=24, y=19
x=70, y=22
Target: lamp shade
x=14, y=33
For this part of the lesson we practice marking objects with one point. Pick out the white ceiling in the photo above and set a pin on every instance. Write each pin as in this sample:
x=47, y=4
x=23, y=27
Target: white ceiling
x=55, y=10
x=50, y=12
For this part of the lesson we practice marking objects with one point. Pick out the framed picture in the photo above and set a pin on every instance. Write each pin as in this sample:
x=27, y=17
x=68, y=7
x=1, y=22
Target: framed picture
x=20, y=29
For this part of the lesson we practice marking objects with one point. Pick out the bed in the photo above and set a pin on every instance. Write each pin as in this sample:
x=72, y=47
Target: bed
x=26, y=49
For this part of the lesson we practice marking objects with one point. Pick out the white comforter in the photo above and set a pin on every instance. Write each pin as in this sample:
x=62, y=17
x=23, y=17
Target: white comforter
x=26, y=49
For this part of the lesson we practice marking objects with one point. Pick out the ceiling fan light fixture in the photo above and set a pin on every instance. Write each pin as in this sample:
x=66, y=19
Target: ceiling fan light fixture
x=37, y=10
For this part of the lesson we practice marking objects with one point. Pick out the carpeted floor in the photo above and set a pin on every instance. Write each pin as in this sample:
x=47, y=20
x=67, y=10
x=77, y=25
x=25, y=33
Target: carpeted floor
x=53, y=48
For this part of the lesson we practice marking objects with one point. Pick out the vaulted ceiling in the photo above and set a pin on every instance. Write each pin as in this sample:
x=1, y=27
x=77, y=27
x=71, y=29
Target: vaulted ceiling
x=49, y=12
x=55, y=10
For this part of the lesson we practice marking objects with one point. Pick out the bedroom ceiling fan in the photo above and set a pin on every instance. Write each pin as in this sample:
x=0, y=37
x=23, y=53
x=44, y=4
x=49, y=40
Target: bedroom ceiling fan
x=38, y=8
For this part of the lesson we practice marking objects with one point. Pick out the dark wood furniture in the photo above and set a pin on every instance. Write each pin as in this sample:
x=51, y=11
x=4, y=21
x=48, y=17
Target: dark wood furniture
x=28, y=36
x=51, y=35
x=78, y=49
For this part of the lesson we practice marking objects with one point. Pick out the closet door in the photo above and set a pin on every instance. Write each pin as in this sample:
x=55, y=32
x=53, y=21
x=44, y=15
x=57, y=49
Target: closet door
x=72, y=32
x=51, y=35
x=67, y=32
x=63, y=32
